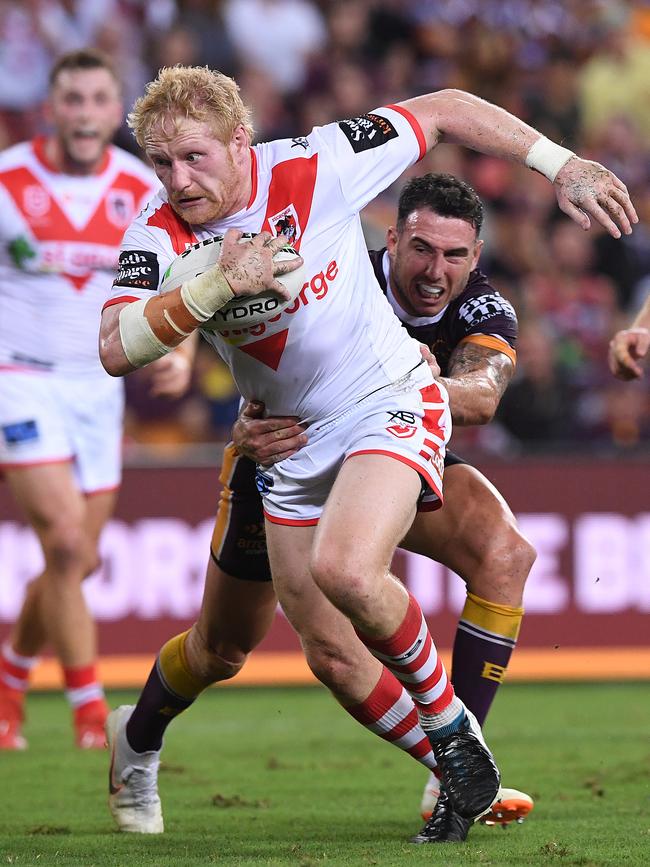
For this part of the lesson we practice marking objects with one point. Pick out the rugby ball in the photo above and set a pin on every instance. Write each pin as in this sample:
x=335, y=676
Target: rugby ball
x=243, y=311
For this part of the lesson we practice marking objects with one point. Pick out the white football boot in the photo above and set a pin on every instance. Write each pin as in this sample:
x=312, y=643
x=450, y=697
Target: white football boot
x=132, y=780
x=510, y=805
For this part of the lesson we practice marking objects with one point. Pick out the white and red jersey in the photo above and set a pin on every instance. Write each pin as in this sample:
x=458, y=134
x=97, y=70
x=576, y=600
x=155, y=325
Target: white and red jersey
x=60, y=237
x=339, y=340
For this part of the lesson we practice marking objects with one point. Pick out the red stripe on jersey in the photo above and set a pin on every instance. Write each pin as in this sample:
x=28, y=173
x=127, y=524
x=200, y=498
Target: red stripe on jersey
x=253, y=179
x=431, y=418
x=415, y=125
x=121, y=300
x=292, y=184
x=180, y=233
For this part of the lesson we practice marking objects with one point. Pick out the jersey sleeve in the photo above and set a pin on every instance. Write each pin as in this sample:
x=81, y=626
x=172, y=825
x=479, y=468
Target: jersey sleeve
x=484, y=317
x=368, y=153
x=145, y=255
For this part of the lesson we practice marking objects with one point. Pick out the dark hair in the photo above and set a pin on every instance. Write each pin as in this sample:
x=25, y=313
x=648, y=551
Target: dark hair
x=86, y=58
x=444, y=194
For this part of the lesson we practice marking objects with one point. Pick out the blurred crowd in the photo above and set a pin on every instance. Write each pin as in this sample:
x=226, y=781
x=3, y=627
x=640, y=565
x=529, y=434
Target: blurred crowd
x=578, y=70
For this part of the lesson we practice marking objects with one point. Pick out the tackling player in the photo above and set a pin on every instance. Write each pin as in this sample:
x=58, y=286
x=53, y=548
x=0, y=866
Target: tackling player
x=65, y=201
x=339, y=360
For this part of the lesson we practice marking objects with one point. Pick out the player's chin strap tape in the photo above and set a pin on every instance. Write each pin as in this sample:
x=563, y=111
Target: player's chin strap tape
x=547, y=157
x=207, y=293
x=139, y=343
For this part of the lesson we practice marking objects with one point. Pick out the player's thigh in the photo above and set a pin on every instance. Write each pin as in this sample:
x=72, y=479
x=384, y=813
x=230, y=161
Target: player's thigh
x=370, y=508
x=48, y=495
x=99, y=508
x=466, y=531
x=235, y=613
x=307, y=609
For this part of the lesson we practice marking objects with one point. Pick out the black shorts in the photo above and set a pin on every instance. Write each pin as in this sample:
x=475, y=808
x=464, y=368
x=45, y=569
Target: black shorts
x=238, y=539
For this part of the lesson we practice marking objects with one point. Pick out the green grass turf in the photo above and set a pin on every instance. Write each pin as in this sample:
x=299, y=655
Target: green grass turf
x=275, y=777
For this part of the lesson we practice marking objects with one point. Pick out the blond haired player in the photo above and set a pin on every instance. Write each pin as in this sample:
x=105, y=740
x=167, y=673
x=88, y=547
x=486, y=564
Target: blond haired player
x=65, y=201
x=339, y=360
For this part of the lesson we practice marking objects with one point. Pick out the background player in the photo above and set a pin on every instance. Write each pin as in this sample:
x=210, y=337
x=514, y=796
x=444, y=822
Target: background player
x=65, y=201
x=629, y=346
x=187, y=157
x=429, y=273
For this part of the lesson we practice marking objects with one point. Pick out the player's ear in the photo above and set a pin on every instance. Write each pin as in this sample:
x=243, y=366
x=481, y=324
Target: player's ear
x=240, y=139
x=477, y=253
x=391, y=239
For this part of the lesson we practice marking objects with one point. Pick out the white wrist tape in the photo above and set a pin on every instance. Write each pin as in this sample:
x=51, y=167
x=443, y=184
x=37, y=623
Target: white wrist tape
x=207, y=293
x=547, y=157
x=139, y=343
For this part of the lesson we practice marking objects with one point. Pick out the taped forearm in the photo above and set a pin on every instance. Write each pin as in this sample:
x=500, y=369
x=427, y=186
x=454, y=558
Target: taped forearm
x=150, y=329
x=207, y=293
x=547, y=157
x=139, y=342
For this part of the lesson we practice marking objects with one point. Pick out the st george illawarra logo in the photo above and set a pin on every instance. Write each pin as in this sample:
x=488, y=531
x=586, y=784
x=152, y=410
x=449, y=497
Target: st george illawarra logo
x=404, y=425
x=286, y=223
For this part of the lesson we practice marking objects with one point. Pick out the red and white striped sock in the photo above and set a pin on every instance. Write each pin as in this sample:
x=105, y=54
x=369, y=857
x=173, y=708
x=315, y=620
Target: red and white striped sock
x=15, y=670
x=411, y=656
x=389, y=712
x=84, y=692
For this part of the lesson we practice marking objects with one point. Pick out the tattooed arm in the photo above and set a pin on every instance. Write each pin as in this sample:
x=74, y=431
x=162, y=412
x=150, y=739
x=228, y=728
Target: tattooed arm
x=477, y=378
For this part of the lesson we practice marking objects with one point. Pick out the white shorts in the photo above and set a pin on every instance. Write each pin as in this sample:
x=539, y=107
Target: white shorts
x=408, y=420
x=49, y=418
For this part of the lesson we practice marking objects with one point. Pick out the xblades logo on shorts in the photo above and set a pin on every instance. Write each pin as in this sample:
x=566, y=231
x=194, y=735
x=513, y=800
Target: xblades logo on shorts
x=404, y=426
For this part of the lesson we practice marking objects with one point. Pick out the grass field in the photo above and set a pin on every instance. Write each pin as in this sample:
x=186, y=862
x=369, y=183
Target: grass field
x=275, y=777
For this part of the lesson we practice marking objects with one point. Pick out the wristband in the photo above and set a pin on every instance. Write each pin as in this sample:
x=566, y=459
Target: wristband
x=139, y=343
x=547, y=157
x=207, y=293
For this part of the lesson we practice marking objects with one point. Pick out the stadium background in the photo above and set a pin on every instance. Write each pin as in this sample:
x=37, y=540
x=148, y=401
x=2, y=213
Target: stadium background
x=569, y=448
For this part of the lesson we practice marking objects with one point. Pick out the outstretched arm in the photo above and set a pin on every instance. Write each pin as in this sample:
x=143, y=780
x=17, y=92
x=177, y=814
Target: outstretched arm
x=630, y=346
x=583, y=188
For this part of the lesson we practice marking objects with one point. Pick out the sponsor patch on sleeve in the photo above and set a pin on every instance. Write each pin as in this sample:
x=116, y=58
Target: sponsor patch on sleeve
x=138, y=269
x=367, y=132
x=482, y=308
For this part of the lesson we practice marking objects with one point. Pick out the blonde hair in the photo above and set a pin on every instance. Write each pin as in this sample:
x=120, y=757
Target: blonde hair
x=195, y=92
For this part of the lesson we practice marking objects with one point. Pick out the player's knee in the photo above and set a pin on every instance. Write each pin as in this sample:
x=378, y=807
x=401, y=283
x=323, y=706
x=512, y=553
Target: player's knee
x=216, y=659
x=65, y=549
x=330, y=664
x=518, y=555
x=347, y=582
x=507, y=562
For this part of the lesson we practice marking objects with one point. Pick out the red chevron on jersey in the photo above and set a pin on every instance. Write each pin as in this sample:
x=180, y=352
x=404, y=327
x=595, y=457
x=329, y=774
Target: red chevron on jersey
x=49, y=221
x=179, y=232
x=290, y=196
x=268, y=350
